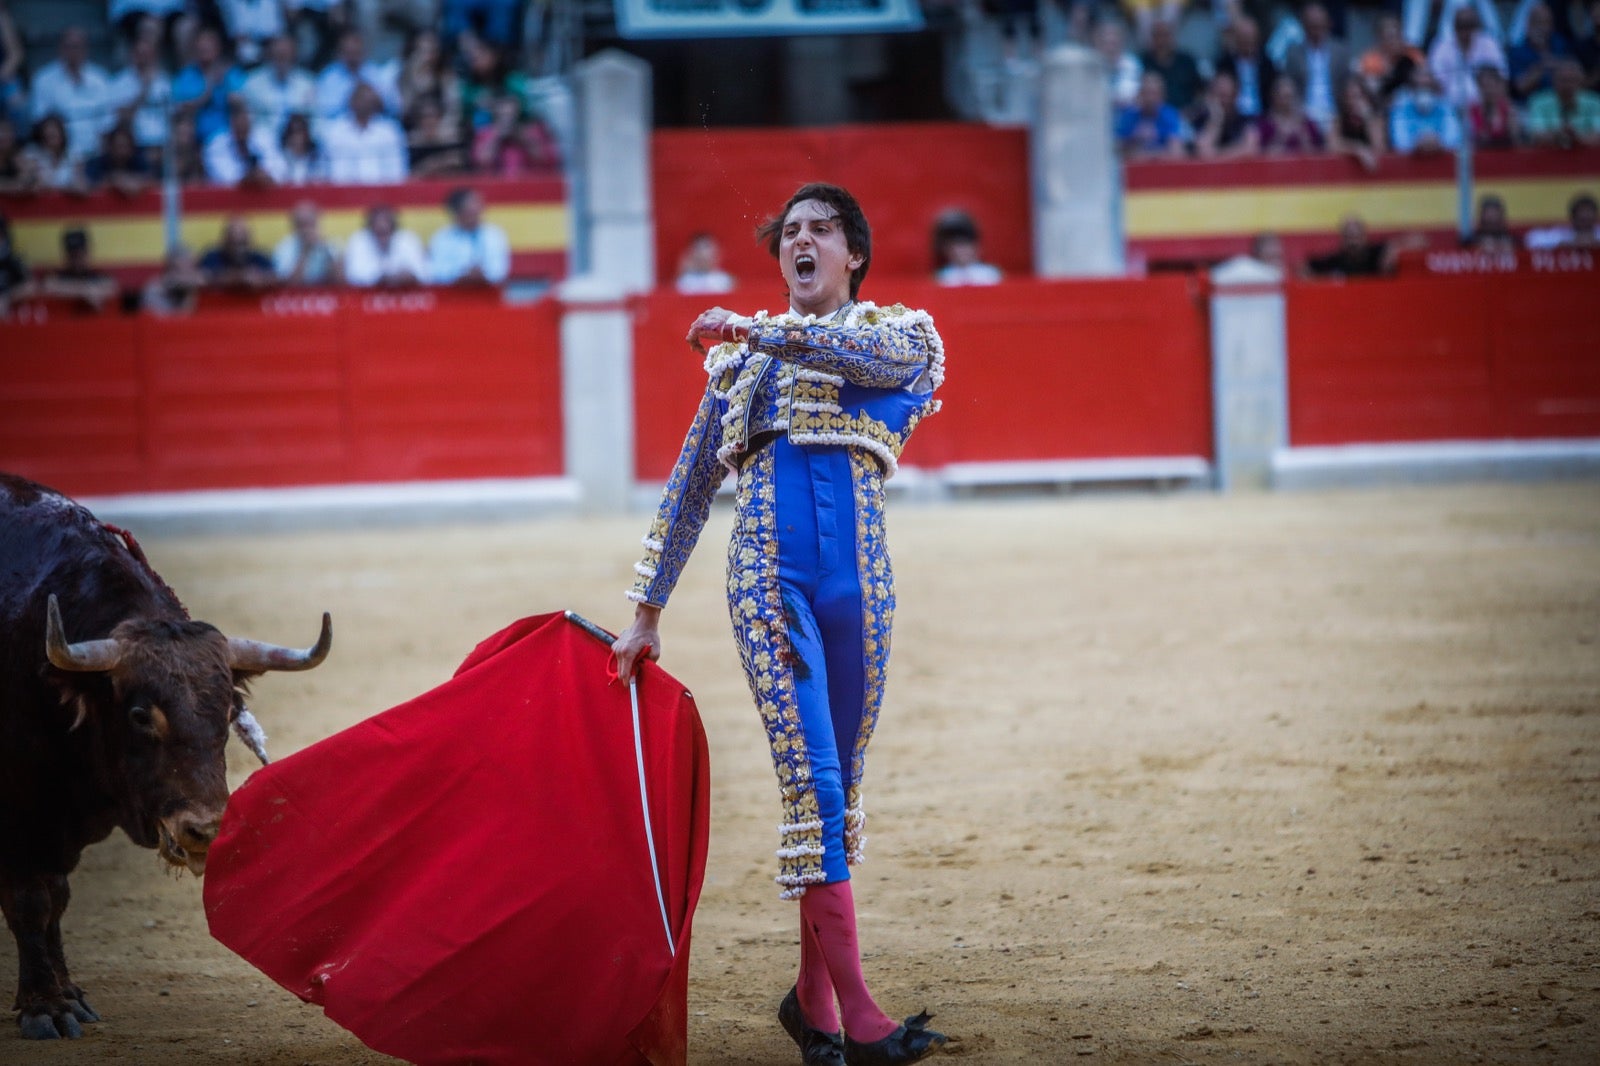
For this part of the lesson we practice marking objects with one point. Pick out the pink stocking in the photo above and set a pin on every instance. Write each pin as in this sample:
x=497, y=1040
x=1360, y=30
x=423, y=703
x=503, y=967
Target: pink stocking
x=829, y=912
x=814, y=987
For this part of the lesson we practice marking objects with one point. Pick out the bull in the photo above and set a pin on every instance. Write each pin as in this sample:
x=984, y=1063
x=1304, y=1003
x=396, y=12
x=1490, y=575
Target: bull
x=114, y=712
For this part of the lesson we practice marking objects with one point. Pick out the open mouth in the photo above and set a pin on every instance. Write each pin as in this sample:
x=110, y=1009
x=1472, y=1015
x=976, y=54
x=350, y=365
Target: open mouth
x=805, y=267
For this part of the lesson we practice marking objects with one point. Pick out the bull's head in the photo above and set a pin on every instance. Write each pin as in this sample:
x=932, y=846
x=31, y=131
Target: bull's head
x=157, y=698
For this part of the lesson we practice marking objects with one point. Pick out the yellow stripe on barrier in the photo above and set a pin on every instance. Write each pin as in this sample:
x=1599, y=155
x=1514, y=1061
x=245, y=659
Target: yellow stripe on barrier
x=1318, y=208
x=140, y=241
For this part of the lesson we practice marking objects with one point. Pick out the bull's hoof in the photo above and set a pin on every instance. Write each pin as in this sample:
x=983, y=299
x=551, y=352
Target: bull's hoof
x=81, y=1010
x=50, y=1027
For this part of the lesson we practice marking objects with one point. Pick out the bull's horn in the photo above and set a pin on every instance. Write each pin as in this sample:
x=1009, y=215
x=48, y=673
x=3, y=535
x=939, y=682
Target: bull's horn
x=253, y=656
x=82, y=657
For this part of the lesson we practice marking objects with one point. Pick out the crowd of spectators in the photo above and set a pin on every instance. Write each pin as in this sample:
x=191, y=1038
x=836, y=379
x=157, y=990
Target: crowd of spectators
x=1301, y=89
x=272, y=93
x=467, y=251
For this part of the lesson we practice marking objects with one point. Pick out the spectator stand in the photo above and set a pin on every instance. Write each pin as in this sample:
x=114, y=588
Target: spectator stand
x=128, y=235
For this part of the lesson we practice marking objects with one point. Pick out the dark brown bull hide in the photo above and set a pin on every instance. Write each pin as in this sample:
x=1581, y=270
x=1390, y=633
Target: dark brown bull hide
x=114, y=711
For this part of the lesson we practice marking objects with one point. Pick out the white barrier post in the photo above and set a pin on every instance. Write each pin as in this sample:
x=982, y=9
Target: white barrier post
x=1077, y=189
x=597, y=392
x=616, y=230
x=1249, y=372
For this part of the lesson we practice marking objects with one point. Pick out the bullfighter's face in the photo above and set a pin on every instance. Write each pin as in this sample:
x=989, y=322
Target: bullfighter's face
x=815, y=258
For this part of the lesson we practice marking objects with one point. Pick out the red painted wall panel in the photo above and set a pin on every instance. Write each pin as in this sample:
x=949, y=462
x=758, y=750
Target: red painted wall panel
x=320, y=389
x=1443, y=358
x=1036, y=370
x=727, y=181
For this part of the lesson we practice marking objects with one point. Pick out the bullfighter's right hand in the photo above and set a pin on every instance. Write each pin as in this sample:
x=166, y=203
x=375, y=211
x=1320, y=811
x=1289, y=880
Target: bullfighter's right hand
x=641, y=638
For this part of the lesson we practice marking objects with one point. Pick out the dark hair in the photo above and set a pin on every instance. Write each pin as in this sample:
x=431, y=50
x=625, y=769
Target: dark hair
x=952, y=225
x=456, y=198
x=1583, y=199
x=52, y=119
x=857, y=234
x=298, y=120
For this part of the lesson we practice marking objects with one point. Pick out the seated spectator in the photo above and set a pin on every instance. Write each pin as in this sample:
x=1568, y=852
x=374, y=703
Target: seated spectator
x=1319, y=65
x=434, y=145
x=1582, y=229
x=1151, y=128
x=1492, y=120
x=277, y=89
x=158, y=19
x=1286, y=129
x=1418, y=14
x=1568, y=115
x=54, y=165
x=1358, y=131
x=15, y=281
x=12, y=92
x=1386, y=67
x=18, y=173
x=203, y=88
x=497, y=21
x=120, y=165
x=323, y=20
x=176, y=290
x=700, y=268
x=188, y=160
x=1457, y=54
x=1492, y=233
x=304, y=256
x=958, y=252
x=299, y=159
x=514, y=147
x=1221, y=130
x=1587, y=49
x=251, y=24
x=383, y=255
x=77, y=279
x=141, y=93
x=1252, y=72
x=1121, y=66
x=1356, y=256
x=1420, y=120
x=1532, y=62
x=488, y=78
x=468, y=251
x=77, y=91
x=1146, y=13
x=241, y=154
x=426, y=74
x=235, y=263
x=336, y=85
x=1177, y=68
x=367, y=147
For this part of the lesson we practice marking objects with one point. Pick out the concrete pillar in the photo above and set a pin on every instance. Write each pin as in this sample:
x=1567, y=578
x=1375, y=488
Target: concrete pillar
x=1249, y=372
x=815, y=92
x=597, y=391
x=1077, y=185
x=616, y=230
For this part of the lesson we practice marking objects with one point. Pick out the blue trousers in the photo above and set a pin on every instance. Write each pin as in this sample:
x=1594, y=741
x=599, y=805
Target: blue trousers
x=811, y=596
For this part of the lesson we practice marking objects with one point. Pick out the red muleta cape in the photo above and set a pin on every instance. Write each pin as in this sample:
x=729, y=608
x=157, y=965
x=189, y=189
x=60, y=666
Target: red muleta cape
x=464, y=878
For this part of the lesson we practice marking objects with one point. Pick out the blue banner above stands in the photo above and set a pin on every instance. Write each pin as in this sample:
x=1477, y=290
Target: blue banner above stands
x=763, y=18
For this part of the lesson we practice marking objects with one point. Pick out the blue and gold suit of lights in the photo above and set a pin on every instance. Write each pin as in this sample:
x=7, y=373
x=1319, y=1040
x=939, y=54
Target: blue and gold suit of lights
x=812, y=416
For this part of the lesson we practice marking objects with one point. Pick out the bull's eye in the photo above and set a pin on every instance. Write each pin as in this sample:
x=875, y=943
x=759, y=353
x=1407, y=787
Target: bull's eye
x=142, y=719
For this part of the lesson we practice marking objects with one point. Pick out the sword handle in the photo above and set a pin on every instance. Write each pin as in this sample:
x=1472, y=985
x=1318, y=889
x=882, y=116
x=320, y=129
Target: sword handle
x=590, y=628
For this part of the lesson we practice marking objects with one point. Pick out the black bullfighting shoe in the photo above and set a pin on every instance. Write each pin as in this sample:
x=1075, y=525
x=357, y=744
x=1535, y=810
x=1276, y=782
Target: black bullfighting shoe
x=817, y=1048
x=910, y=1042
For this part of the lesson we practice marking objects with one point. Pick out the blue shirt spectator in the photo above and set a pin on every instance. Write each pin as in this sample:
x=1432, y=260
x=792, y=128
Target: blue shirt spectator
x=1533, y=59
x=351, y=68
x=206, y=85
x=1420, y=118
x=469, y=249
x=1151, y=127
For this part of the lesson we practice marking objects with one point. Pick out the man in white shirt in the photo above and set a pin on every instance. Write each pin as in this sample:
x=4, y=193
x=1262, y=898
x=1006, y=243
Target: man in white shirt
x=250, y=23
x=384, y=255
x=242, y=153
x=78, y=91
x=278, y=88
x=469, y=251
x=368, y=147
x=1456, y=56
x=304, y=256
x=141, y=92
x=337, y=83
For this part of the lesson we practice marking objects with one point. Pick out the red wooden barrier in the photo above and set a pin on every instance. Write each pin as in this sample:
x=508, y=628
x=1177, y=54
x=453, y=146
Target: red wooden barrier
x=297, y=388
x=1443, y=358
x=1037, y=370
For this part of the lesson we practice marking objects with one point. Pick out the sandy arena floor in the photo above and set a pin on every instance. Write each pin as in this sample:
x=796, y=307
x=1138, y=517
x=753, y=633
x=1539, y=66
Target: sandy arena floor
x=1265, y=779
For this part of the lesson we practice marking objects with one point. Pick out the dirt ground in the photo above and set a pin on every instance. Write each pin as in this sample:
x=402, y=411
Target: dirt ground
x=1264, y=779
